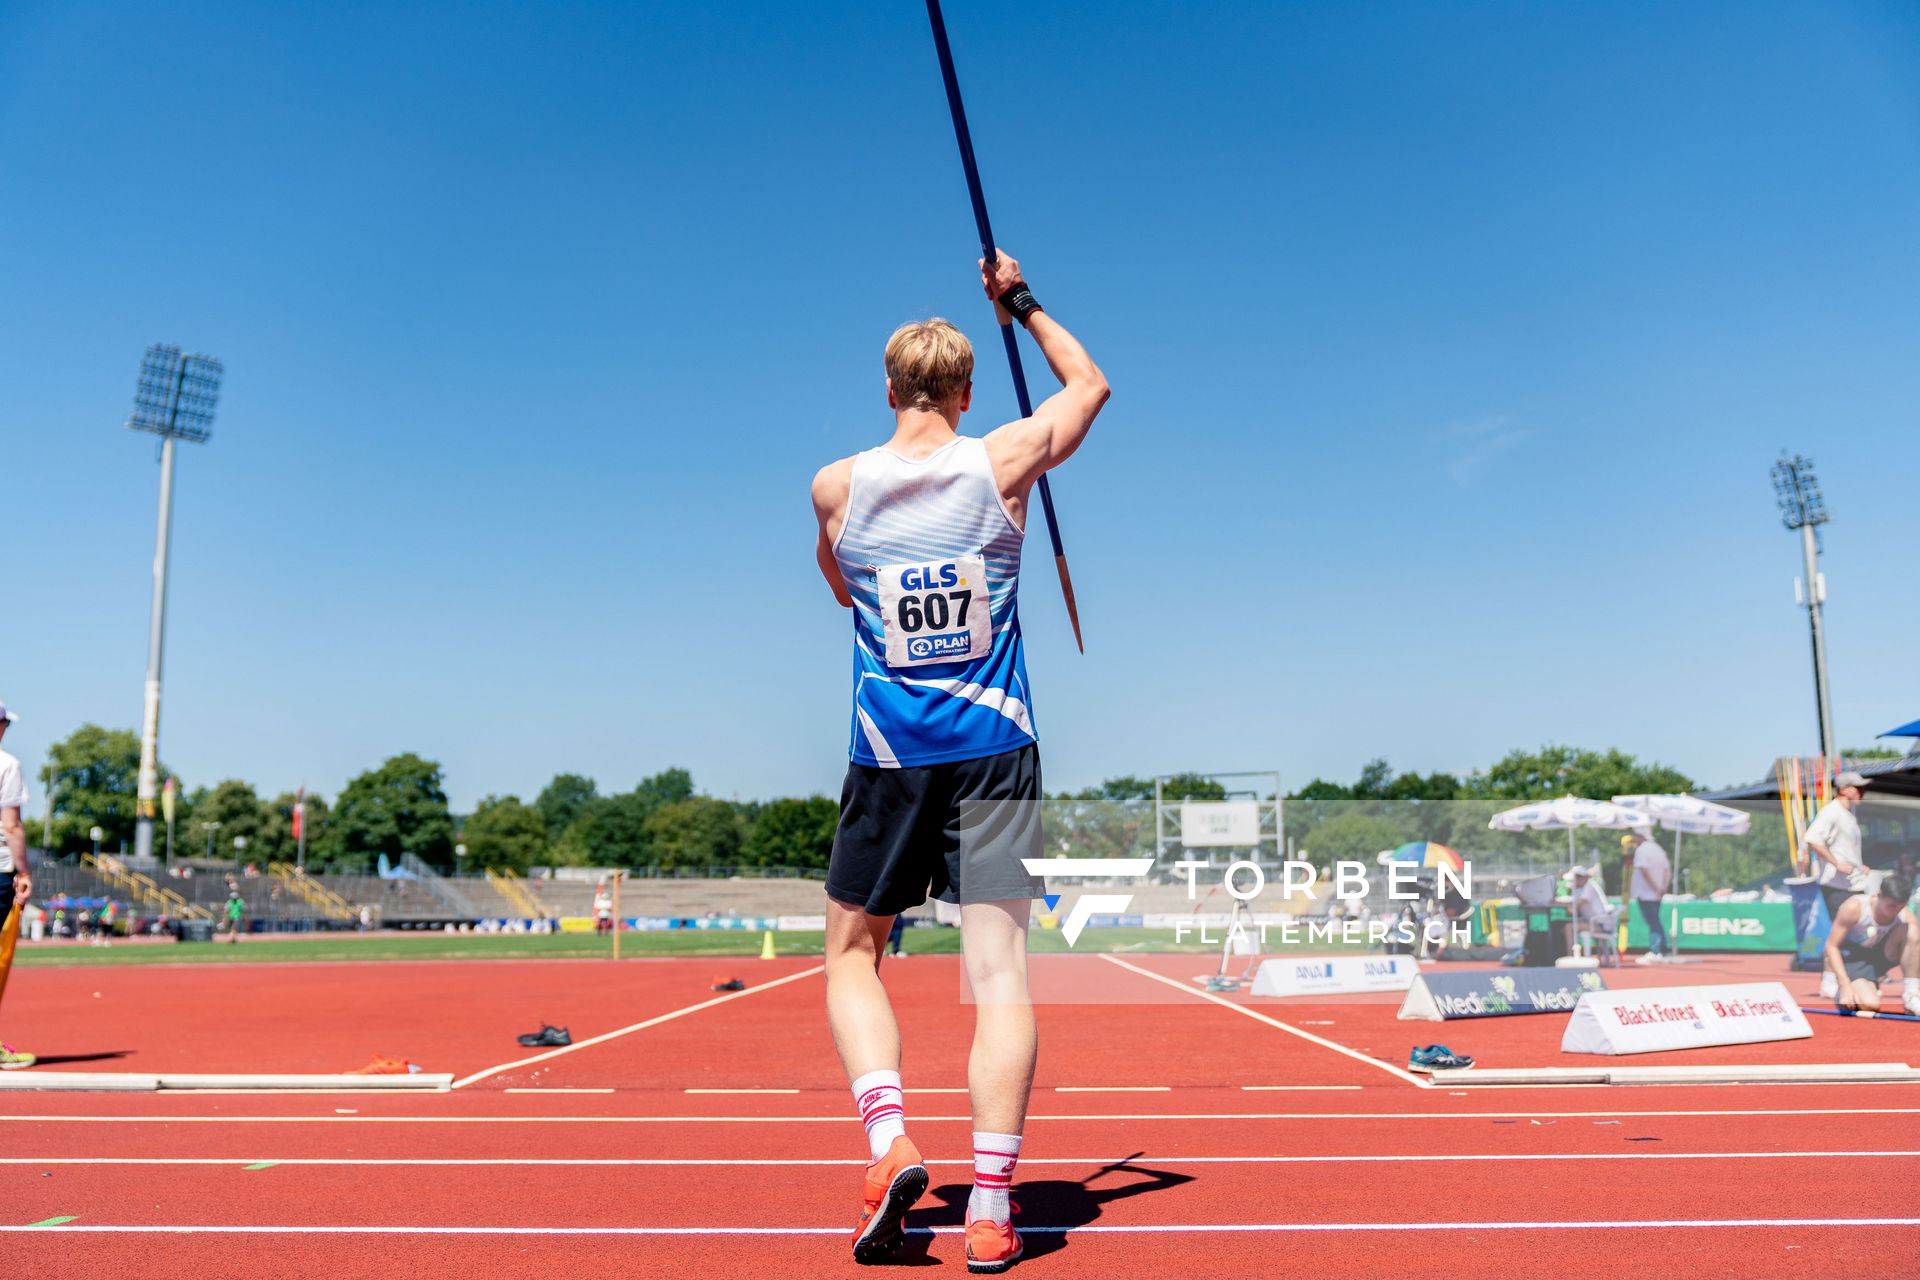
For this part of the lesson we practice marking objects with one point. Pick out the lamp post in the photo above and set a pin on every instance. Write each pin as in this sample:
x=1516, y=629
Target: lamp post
x=210, y=828
x=173, y=400
x=96, y=835
x=1803, y=510
x=239, y=852
x=459, y=852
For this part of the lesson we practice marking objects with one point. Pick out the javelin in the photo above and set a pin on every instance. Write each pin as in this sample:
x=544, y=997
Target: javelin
x=992, y=255
x=1864, y=1013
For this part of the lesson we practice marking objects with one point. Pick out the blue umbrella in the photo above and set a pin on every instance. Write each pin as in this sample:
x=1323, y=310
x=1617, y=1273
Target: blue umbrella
x=1904, y=731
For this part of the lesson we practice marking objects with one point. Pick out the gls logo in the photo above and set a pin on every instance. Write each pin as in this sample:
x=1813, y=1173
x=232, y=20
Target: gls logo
x=931, y=578
x=1087, y=904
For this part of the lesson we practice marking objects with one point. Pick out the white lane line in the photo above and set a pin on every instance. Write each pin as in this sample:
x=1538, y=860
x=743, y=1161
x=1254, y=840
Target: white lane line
x=586, y=1162
x=558, y=1090
x=605, y=1036
x=1113, y=1088
x=1296, y=1088
x=740, y=1091
x=962, y=1119
x=1257, y=1016
x=960, y=1090
x=1612, y=1224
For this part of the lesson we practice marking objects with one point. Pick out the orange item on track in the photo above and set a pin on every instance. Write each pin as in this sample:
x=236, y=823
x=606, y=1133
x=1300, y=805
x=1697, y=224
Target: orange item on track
x=381, y=1065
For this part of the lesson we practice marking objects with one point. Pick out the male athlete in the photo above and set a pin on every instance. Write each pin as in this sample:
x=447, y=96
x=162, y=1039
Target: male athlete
x=921, y=538
x=1871, y=935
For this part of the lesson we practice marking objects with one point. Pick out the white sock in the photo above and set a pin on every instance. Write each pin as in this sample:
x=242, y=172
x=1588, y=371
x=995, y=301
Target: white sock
x=994, y=1156
x=1829, y=985
x=882, y=1109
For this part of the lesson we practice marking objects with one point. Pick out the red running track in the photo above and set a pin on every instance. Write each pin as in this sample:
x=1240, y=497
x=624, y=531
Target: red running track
x=1179, y=1158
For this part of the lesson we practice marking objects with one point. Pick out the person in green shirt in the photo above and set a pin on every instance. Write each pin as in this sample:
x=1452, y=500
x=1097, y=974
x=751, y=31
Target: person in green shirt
x=235, y=909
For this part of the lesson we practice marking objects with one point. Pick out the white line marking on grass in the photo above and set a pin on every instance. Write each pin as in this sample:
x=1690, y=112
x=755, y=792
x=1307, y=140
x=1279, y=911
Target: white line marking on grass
x=1317, y=1228
x=638, y=1026
x=589, y=1162
x=1257, y=1016
x=963, y=1119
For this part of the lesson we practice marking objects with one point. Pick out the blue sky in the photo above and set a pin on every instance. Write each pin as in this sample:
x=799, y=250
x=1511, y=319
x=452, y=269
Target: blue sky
x=1450, y=345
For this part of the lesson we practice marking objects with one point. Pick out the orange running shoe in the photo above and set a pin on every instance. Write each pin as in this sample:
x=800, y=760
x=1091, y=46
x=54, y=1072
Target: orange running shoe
x=993, y=1246
x=894, y=1183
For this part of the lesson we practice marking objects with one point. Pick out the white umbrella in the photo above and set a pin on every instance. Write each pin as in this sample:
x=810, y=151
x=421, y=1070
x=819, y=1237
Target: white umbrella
x=1691, y=815
x=1567, y=814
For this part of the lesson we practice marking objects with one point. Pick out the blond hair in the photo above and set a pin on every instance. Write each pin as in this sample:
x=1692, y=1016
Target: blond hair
x=929, y=363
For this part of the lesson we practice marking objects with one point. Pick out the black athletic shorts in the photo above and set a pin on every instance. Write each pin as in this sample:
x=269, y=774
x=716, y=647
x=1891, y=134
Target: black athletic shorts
x=1868, y=964
x=957, y=830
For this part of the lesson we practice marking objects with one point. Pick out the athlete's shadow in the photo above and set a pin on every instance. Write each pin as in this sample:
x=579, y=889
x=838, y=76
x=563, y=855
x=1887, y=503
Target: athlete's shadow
x=55, y=1059
x=1053, y=1202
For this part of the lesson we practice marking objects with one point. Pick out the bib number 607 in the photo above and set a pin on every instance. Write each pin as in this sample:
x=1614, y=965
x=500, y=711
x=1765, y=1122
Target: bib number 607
x=937, y=610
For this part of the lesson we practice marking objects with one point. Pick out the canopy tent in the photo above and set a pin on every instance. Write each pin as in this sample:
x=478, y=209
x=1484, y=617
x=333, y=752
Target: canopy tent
x=1891, y=784
x=1904, y=731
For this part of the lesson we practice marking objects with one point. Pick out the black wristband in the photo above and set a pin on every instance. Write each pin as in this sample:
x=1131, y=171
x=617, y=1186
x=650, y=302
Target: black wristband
x=1019, y=303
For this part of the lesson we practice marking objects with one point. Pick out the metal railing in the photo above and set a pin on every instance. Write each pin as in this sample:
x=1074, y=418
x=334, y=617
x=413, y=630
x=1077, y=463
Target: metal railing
x=142, y=889
x=515, y=891
x=312, y=892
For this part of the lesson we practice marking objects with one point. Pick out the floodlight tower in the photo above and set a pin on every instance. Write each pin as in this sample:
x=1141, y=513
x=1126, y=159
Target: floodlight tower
x=174, y=401
x=1804, y=510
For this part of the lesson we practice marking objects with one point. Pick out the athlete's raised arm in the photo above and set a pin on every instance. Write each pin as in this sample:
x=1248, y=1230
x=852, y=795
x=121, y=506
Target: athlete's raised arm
x=831, y=485
x=1022, y=450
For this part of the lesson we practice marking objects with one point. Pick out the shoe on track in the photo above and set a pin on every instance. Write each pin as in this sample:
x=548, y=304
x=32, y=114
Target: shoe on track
x=1437, y=1057
x=12, y=1059
x=547, y=1038
x=894, y=1183
x=992, y=1246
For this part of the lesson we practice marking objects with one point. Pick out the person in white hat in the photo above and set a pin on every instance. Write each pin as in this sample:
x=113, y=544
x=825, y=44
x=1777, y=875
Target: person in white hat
x=16, y=881
x=1833, y=841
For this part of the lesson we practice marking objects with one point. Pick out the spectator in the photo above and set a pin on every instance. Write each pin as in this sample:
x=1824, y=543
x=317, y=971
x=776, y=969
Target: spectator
x=16, y=882
x=1589, y=912
x=1652, y=877
x=1833, y=837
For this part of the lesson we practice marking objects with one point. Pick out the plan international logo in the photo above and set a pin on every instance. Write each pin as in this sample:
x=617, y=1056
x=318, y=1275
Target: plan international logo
x=1087, y=904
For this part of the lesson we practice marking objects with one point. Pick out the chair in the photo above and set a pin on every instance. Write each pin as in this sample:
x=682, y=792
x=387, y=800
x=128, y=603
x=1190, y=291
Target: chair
x=1602, y=932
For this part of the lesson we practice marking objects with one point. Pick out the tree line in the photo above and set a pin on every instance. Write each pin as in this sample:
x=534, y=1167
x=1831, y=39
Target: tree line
x=401, y=808
x=663, y=821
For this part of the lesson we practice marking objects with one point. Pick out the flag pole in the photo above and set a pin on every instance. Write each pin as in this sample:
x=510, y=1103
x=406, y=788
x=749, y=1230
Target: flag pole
x=991, y=253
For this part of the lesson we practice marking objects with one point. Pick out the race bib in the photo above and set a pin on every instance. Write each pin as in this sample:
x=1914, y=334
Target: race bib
x=935, y=612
